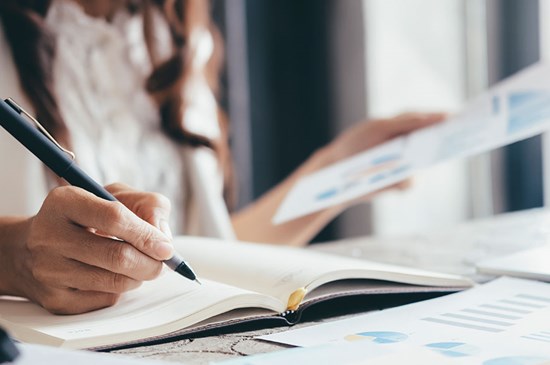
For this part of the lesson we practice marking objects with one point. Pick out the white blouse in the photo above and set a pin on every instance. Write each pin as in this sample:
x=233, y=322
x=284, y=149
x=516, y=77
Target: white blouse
x=99, y=76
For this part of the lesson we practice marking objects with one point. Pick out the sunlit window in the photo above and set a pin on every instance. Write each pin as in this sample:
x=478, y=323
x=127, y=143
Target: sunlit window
x=419, y=58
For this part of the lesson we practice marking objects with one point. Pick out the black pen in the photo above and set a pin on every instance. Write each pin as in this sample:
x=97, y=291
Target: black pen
x=8, y=350
x=61, y=161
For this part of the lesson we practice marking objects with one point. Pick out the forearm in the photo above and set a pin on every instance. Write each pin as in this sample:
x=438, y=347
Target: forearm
x=254, y=222
x=13, y=231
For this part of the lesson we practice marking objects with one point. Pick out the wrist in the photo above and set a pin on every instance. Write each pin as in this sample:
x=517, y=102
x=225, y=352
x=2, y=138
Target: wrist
x=13, y=235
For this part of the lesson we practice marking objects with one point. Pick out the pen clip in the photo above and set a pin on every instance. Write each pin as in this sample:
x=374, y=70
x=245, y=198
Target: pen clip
x=37, y=124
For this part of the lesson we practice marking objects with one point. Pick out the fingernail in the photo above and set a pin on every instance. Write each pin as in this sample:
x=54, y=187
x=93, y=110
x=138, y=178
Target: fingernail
x=165, y=228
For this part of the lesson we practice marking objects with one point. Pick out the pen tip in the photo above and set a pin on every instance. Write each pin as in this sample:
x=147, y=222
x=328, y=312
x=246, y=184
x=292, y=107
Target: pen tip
x=197, y=280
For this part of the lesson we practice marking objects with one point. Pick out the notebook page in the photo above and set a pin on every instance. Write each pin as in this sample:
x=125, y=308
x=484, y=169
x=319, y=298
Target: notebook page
x=279, y=271
x=165, y=305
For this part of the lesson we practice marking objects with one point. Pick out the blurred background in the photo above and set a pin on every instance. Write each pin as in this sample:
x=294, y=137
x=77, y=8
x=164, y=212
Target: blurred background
x=300, y=71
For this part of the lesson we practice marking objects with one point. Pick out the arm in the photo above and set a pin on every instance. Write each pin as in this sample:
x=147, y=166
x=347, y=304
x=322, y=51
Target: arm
x=60, y=261
x=253, y=223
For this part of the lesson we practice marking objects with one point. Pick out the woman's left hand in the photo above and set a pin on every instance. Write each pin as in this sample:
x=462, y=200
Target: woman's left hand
x=369, y=134
x=253, y=223
x=366, y=135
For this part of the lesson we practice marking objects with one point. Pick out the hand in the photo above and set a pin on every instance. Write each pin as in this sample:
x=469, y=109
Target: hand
x=61, y=264
x=369, y=134
x=254, y=222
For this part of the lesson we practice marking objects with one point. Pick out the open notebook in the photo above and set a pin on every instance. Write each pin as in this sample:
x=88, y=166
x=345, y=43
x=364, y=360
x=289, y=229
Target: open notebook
x=242, y=282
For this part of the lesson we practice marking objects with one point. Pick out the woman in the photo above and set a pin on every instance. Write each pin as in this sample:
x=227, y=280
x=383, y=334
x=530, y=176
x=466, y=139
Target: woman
x=130, y=87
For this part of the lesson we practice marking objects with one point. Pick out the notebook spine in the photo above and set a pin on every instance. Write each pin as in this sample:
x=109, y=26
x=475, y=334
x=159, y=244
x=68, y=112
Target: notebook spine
x=291, y=316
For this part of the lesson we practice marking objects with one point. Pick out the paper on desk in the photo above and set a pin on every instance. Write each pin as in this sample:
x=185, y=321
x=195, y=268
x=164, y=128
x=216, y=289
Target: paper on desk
x=342, y=354
x=360, y=353
x=514, y=109
x=37, y=354
x=498, y=323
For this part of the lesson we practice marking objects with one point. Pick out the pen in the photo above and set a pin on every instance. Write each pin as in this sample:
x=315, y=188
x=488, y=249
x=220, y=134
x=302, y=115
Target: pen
x=8, y=351
x=61, y=161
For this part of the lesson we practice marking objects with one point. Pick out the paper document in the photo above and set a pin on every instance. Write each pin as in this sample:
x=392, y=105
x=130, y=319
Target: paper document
x=499, y=323
x=515, y=109
x=528, y=264
x=343, y=354
x=36, y=354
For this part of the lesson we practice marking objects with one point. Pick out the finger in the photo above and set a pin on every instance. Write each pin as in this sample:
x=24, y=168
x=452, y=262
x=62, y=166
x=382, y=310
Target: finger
x=154, y=208
x=108, y=254
x=91, y=278
x=404, y=185
x=409, y=122
x=422, y=116
x=401, y=185
x=113, y=218
x=67, y=301
x=117, y=188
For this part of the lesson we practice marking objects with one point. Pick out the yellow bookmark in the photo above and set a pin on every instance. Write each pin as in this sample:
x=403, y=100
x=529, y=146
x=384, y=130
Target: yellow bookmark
x=296, y=298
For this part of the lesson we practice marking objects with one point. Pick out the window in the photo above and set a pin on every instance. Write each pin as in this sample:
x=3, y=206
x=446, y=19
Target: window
x=418, y=60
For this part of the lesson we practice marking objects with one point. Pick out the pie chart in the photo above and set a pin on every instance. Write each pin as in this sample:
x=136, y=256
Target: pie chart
x=518, y=360
x=453, y=349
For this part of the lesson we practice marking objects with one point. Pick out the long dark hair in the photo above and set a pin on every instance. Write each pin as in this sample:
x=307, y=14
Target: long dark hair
x=33, y=47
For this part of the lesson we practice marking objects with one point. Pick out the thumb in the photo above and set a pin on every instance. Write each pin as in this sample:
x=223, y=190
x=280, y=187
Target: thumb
x=153, y=208
x=408, y=122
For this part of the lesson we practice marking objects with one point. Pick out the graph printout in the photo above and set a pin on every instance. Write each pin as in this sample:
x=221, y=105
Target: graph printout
x=343, y=354
x=504, y=322
x=515, y=109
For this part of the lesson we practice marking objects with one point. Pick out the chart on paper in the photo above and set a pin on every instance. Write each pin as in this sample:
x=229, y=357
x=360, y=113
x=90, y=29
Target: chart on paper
x=494, y=316
x=466, y=326
x=454, y=349
x=513, y=110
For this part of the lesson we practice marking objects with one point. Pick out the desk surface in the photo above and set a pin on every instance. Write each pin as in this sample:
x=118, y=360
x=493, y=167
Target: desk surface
x=454, y=251
x=216, y=348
